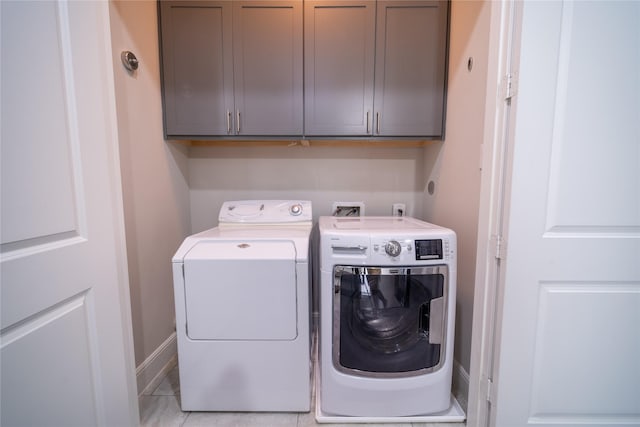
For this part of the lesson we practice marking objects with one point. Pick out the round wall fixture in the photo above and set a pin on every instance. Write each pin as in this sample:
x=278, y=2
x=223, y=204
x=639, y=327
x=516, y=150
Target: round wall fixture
x=129, y=60
x=431, y=187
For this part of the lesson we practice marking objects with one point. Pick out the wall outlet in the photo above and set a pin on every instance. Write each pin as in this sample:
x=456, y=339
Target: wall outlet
x=398, y=209
x=348, y=209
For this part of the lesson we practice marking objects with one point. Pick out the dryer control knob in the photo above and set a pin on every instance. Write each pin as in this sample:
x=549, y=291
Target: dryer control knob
x=392, y=248
x=296, y=209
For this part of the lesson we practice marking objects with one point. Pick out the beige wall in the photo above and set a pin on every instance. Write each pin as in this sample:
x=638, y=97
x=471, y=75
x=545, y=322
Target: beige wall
x=154, y=177
x=454, y=166
x=377, y=176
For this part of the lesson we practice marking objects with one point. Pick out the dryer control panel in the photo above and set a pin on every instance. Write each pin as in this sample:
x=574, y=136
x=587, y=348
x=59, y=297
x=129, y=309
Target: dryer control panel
x=262, y=212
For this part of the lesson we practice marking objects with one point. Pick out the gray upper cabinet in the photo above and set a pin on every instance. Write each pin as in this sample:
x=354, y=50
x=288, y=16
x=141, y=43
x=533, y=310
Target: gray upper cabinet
x=197, y=65
x=267, y=60
x=339, y=67
x=232, y=68
x=410, y=68
x=375, y=68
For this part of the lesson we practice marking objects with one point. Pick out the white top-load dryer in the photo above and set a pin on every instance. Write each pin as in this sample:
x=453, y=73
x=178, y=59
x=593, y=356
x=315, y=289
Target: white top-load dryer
x=242, y=294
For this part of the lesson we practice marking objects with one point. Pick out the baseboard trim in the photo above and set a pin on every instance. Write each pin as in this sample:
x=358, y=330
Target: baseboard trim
x=461, y=385
x=151, y=371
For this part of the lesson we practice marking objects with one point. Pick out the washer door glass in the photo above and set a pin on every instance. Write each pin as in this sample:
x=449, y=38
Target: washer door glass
x=389, y=321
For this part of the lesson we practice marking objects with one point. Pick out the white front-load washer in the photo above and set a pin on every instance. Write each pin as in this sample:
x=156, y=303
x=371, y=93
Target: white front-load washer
x=242, y=310
x=387, y=310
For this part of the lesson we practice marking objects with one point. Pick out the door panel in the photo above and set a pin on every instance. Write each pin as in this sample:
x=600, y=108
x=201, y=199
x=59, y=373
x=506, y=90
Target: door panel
x=197, y=67
x=596, y=121
x=411, y=46
x=268, y=67
x=339, y=67
x=570, y=341
x=41, y=365
x=37, y=176
x=65, y=334
x=599, y=344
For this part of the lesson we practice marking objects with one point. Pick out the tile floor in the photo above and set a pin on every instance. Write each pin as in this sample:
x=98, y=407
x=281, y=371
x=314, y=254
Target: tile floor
x=161, y=407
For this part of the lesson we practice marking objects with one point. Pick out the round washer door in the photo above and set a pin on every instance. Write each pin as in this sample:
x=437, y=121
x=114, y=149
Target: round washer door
x=389, y=321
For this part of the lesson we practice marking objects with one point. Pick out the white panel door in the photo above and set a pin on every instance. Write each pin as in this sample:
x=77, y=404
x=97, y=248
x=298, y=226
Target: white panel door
x=65, y=339
x=570, y=336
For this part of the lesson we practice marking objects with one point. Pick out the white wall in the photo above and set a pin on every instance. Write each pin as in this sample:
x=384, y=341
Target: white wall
x=377, y=176
x=454, y=165
x=154, y=178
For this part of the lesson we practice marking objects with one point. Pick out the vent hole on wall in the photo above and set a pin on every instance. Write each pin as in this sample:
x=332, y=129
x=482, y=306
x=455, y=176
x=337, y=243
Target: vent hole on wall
x=431, y=187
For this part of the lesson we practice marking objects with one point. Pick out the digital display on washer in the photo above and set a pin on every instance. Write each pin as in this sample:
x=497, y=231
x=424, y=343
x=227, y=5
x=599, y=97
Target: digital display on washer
x=428, y=249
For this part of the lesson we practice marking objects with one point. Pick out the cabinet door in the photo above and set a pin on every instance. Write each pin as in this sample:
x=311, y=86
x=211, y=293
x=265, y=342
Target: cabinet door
x=410, y=68
x=339, y=66
x=267, y=43
x=197, y=67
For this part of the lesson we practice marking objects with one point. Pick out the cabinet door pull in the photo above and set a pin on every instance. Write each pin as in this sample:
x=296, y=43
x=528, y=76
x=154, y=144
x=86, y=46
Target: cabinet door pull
x=378, y=123
x=238, y=122
x=228, y=121
x=368, y=131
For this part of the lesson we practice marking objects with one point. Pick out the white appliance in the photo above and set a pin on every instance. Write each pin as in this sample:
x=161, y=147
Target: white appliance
x=387, y=310
x=242, y=310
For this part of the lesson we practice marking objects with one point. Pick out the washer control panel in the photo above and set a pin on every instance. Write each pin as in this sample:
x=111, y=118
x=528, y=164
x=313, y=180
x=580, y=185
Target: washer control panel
x=384, y=241
x=404, y=251
x=391, y=249
x=429, y=249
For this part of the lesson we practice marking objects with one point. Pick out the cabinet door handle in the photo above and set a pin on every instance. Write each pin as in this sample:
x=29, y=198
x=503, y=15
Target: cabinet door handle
x=228, y=121
x=368, y=131
x=238, y=122
x=378, y=123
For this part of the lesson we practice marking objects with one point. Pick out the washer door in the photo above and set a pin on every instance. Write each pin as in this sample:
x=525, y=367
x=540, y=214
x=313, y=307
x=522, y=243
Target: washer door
x=389, y=321
x=241, y=290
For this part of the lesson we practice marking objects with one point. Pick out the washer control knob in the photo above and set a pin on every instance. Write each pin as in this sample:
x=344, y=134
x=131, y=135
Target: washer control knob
x=392, y=248
x=296, y=209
